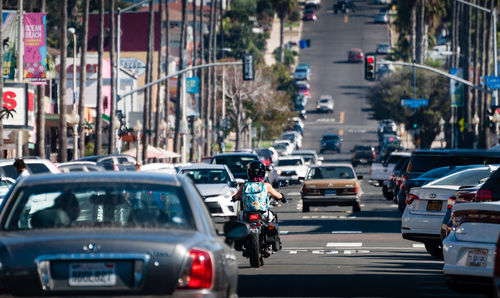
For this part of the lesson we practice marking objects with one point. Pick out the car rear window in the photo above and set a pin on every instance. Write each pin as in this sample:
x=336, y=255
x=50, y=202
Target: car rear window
x=324, y=100
x=327, y=138
x=37, y=168
x=362, y=148
x=331, y=173
x=394, y=159
x=264, y=153
x=99, y=205
x=289, y=162
x=468, y=177
x=9, y=171
x=237, y=164
x=207, y=176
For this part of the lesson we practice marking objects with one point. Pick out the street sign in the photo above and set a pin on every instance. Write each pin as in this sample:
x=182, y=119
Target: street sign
x=248, y=68
x=414, y=103
x=192, y=85
x=491, y=82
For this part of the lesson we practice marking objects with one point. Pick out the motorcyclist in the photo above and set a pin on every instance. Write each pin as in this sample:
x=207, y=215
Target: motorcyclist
x=254, y=193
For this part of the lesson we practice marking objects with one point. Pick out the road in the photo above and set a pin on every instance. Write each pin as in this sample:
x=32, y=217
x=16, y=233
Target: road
x=330, y=251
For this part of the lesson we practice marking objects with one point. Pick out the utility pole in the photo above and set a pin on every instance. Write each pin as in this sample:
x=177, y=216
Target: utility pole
x=20, y=70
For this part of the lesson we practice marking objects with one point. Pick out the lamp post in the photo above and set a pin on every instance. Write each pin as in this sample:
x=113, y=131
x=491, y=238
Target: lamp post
x=137, y=130
x=441, y=133
x=475, y=121
x=198, y=124
x=73, y=120
x=72, y=31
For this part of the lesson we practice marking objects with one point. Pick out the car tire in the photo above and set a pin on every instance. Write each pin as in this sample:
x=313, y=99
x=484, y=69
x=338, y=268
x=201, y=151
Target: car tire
x=305, y=207
x=401, y=205
x=385, y=192
x=338, y=150
x=356, y=207
x=435, y=249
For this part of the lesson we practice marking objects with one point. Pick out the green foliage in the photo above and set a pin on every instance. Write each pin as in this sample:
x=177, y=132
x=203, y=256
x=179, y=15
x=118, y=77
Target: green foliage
x=385, y=99
x=289, y=56
x=265, y=9
x=433, y=63
x=294, y=16
x=283, y=80
x=247, y=6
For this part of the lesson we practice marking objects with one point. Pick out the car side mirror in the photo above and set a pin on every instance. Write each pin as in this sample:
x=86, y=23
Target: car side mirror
x=233, y=184
x=235, y=230
x=360, y=177
x=239, y=181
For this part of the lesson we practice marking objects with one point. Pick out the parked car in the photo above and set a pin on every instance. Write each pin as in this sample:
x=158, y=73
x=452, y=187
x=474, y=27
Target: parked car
x=330, y=142
x=302, y=72
x=304, y=88
x=80, y=166
x=113, y=162
x=294, y=137
x=383, y=48
x=34, y=165
x=128, y=233
x=310, y=157
x=355, y=55
x=363, y=154
x=160, y=167
x=325, y=103
x=426, y=206
x=396, y=178
x=311, y=5
x=284, y=147
x=380, y=172
x=309, y=15
x=469, y=250
x=333, y=184
x=236, y=162
x=344, y=6
x=382, y=18
x=217, y=186
x=288, y=170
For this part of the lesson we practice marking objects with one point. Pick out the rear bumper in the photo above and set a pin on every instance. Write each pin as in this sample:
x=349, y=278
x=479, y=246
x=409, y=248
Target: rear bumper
x=420, y=237
x=348, y=200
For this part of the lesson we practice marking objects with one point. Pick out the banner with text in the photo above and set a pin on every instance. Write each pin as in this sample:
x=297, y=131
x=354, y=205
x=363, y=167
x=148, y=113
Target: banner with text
x=9, y=37
x=35, y=47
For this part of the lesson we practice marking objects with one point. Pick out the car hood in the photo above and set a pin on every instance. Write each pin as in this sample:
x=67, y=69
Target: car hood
x=290, y=168
x=330, y=183
x=213, y=189
x=19, y=252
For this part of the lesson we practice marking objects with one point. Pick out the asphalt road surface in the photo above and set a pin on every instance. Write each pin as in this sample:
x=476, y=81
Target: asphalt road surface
x=330, y=251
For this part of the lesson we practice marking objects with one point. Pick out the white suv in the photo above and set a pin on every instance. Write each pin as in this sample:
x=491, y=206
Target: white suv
x=34, y=165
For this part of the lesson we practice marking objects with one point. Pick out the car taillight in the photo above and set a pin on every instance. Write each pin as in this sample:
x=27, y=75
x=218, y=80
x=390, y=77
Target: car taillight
x=198, y=271
x=483, y=195
x=310, y=190
x=373, y=154
x=410, y=198
x=391, y=178
x=253, y=217
x=451, y=202
x=398, y=181
x=355, y=155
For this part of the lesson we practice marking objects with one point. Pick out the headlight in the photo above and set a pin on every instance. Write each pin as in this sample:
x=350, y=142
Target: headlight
x=279, y=172
x=318, y=106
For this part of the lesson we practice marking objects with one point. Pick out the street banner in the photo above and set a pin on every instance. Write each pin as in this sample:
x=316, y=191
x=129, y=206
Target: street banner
x=35, y=48
x=192, y=85
x=9, y=35
x=456, y=88
x=192, y=104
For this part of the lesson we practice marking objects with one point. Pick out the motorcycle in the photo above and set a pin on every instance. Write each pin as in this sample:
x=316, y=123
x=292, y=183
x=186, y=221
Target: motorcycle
x=256, y=234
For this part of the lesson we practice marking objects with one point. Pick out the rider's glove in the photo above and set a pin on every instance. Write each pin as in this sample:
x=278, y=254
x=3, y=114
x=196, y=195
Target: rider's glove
x=283, y=199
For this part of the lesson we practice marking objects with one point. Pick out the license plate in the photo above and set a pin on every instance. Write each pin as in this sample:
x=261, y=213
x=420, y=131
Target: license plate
x=477, y=257
x=330, y=192
x=362, y=160
x=91, y=274
x=434, y=205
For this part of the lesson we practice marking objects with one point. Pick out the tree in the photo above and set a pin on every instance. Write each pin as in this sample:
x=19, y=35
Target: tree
x=63, y=139
x=182, y=64
x=283, y=8
x=83, y=77
x=100, y=50
x=158, y=89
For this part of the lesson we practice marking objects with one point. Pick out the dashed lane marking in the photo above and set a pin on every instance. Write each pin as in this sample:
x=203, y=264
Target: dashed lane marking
x=283, y=232
x=325, y=120
x=327, y=217
x=344, y=244
x=418, y=245
x=330, y=251
x=347, y=232
x=341, y=120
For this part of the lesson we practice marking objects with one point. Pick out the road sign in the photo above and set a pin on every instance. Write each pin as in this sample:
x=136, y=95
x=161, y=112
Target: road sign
x=248, y=68
x=414, y=103
x=491, y=82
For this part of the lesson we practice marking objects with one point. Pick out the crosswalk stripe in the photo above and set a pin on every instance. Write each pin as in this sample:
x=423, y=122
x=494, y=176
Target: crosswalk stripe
x=294, y=193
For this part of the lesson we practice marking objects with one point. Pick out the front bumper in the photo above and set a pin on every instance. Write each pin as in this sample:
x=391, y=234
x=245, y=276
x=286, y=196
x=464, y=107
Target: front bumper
x=221, y=206
x=340, y=200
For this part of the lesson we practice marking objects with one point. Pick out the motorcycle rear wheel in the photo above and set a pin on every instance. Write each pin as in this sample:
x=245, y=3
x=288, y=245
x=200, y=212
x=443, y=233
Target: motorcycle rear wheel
x=253, y=249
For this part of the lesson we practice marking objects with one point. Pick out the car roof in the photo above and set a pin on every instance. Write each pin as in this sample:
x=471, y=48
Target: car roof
x=290, y=157
x=355, y=50
x=204, y=166
x=234, y=154
x=333, y=164
x=303, y=151
x=325, y=96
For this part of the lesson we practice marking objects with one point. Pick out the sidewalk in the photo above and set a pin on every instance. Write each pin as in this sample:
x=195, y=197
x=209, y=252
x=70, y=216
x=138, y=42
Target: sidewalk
x=291, y=34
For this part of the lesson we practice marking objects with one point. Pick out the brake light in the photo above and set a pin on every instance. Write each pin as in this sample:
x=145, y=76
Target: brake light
x=451, y=202
x=253, y=217
x=398, y=181
x=373, y=154
x=198, y=271
x=355, y=155
x=483, y=195
x=310, y=190
x=410, y=198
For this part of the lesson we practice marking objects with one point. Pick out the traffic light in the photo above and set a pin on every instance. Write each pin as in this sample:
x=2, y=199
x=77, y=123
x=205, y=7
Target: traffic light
x=370, y=62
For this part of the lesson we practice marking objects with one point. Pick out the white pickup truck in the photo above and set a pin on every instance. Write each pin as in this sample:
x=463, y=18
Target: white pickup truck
x=381, y=172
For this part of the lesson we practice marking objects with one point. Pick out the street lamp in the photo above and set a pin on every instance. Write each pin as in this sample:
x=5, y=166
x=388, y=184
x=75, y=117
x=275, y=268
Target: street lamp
x=441, y=133
x=73, y=120
x=72, y=31
x=137, y=129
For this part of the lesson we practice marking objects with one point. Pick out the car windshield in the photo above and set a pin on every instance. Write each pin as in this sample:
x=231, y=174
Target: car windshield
x=207, y=176
x=237, y=164
x=330, y=138
x=309, y=158
x=265, y=153
x=280, y=146
x=301, y=70
x=78, y=205
x=289, y=162
x=324, y=100
x=337, y=172
x=468, y=177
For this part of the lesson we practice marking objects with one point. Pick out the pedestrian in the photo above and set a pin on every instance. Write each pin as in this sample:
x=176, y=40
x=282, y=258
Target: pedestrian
x=138, y=166
x=21, y=168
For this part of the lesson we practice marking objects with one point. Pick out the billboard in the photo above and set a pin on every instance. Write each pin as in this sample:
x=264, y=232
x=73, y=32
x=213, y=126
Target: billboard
x=19, y=98
x=9, y=35
x=35, y=48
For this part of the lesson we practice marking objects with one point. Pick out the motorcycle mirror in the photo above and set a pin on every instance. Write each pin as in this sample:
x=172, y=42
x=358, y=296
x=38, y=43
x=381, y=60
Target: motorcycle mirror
x=235, y=230
x=274, y=203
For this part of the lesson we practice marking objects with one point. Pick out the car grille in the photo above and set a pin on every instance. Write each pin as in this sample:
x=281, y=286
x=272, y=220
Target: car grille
x=213, y=207
x=288, y=173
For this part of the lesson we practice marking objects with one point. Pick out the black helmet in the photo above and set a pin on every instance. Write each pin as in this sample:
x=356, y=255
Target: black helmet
x=256, y=169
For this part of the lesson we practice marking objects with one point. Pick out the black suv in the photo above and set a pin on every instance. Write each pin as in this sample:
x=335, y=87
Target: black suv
x=236, y=162
x=344, y=6
x=363, y=154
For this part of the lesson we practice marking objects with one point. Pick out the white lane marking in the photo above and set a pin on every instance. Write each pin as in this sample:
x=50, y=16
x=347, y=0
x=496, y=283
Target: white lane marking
x=347, y=232
x=315, y=216
x=295, y=193
x=344, y=244
x=362, y=205
x=318, y=252
x=306, y=217
x=393, y=205
x=325, y=120
x=283, y=232
x=418, y=245
x=293, y=252
x=332, y=252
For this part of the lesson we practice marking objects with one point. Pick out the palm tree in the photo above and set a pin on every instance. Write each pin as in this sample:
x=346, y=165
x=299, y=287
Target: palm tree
x=413, y=30
x=158, y=89
x=147, y=93
x=210, y=99
x=83, y=77
x=283, y=8
x=40, y=115
x=214, y=77
x=100, y=50
x=180, y=82
x=63, y=154
x=203, y=98
x=112, y=102
x=167, y=60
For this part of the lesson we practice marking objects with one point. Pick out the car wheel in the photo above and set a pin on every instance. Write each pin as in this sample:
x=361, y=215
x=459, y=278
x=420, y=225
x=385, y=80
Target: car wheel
x=385, y=192
x=435, y=249
x=320, y=150
x=356, y=207
x=338, y=150
x=305, y=207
